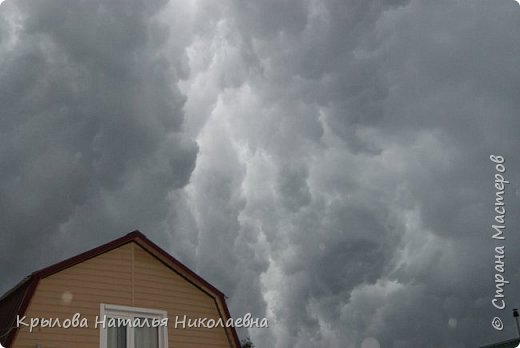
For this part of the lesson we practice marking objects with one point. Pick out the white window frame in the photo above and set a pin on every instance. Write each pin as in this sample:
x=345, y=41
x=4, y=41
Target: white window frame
x=116, y=311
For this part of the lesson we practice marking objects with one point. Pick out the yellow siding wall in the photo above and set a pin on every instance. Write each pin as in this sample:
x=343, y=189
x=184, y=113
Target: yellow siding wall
x=127, y=276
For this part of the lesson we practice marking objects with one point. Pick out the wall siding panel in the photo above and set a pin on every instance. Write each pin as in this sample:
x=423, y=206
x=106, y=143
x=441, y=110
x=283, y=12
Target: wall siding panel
x=129, y=276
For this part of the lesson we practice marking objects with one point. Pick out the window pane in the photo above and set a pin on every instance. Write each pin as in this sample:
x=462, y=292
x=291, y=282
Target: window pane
x=146, y=337
x=116, y=337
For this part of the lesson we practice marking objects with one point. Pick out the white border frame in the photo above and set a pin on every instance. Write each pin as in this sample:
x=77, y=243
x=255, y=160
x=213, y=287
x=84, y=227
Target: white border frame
x=118, y=311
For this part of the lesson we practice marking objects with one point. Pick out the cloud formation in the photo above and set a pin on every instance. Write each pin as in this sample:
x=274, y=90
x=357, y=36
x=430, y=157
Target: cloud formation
x=325, y=163
x=91, y=120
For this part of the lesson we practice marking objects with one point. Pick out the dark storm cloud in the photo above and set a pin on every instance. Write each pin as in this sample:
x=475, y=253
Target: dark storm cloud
x=339, y=184
x=364, y=129
x=91, y=127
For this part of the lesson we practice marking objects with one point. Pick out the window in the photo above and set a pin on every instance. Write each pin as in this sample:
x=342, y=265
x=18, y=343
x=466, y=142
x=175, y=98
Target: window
x=131, y=327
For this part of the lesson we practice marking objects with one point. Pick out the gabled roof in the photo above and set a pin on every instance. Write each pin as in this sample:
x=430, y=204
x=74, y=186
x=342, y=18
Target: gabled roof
x=15, y=301
x=513, y=343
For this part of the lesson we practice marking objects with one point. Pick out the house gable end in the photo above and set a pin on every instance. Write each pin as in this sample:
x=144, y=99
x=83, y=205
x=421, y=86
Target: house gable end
x=150, y=277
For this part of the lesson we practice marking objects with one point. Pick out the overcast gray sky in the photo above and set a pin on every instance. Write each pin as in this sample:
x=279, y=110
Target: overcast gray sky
x=325, y=163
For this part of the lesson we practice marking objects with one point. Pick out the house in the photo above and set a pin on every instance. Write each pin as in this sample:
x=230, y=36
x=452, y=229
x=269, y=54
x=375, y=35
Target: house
x=128, y=293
